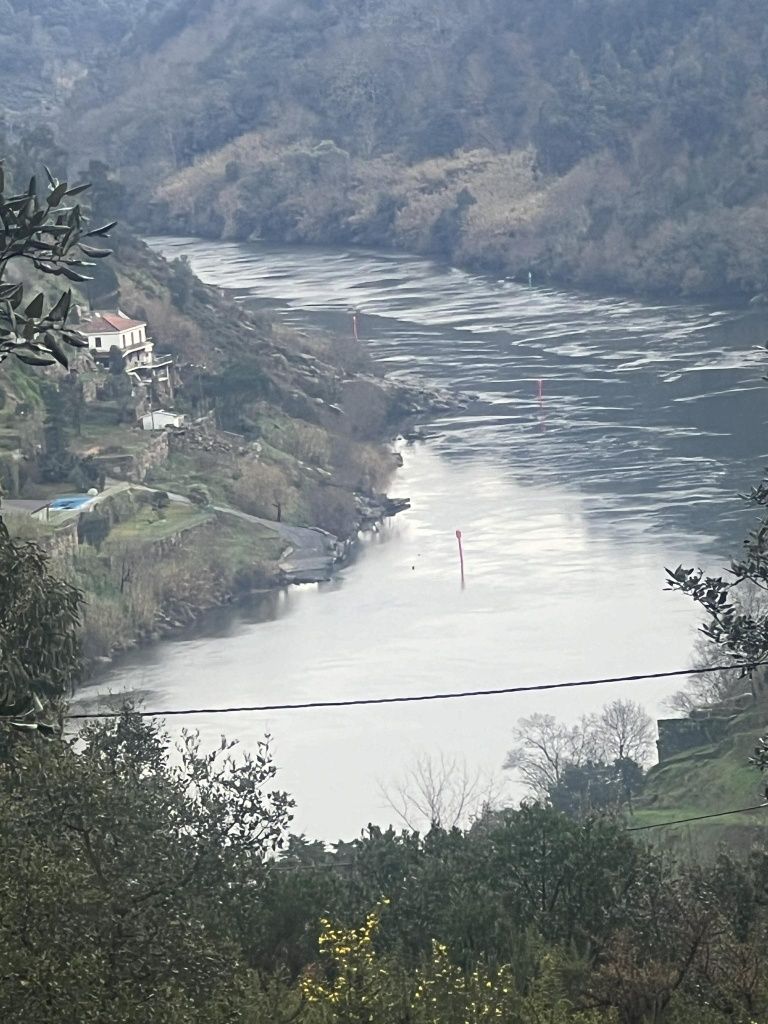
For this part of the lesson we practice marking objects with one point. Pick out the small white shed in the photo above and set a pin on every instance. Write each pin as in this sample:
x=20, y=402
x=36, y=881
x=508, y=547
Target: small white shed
x=160, y=419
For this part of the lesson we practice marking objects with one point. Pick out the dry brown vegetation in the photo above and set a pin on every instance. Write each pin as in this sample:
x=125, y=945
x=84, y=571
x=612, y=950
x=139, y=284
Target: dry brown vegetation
x=617, y=145
x=133, y=588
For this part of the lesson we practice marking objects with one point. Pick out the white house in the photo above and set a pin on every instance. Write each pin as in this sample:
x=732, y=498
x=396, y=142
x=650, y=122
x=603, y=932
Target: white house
x=107, y=330
x=160, y=419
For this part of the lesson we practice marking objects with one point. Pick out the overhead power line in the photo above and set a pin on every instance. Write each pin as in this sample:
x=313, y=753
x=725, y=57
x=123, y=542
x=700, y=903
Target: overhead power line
x=458, y=695
x=698, y=817
x=417, y=698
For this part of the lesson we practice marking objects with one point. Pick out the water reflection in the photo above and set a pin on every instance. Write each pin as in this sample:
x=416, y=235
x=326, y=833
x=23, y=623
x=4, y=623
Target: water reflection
x=649, y=423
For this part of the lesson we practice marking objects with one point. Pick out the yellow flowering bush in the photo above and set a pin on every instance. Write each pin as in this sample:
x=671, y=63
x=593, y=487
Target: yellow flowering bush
x=445, y=994
x=351, y=981
x=353, y=984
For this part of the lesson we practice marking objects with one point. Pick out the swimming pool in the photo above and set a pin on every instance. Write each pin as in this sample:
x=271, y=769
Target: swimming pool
x=69, y=502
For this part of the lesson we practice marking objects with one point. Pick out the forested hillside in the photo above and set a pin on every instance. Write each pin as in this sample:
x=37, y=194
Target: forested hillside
x=609, y=143
x=278, y=424
x=48, y=47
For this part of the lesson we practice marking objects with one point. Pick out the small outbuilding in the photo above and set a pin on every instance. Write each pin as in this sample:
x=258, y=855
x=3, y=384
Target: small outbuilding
x=159, y=419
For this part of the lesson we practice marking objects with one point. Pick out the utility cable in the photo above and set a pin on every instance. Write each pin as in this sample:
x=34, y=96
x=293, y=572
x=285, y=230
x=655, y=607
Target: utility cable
x=409, y=699
x=698, y=817
x=415, y=698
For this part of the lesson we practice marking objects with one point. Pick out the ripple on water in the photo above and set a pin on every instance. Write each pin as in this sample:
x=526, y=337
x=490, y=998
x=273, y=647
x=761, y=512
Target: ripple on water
x=650, y=422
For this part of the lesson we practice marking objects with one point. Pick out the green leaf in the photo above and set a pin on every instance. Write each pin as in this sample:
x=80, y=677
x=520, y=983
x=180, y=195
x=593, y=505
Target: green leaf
x=61, y=309
x=55, y=197
x=51, y=180
x=96, y=254
x=33, y=360
x=75, y=339
x=73, y=275
x=77, y=189
x=102, y=231
x=56, y=350
x=35, y=308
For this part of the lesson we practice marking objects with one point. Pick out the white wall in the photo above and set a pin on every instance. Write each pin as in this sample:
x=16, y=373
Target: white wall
x=161, y=419
x=122, y=340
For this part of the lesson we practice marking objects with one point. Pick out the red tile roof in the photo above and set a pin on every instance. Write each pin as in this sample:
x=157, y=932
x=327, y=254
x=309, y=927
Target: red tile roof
x=108, y=323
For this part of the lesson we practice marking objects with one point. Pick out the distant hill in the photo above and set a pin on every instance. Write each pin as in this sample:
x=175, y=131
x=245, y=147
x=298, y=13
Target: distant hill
x=48, y=47
x=617, y=144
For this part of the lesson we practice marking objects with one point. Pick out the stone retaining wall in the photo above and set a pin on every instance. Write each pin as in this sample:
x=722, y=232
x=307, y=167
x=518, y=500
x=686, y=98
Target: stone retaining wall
x=678, y=735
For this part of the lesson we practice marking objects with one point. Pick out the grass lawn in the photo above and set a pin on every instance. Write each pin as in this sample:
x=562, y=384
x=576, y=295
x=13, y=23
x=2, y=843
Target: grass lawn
x=706, y=780
x=240, y=543
x=654, y=816
x=237, y=542
x=147, y=527
x=180, y=472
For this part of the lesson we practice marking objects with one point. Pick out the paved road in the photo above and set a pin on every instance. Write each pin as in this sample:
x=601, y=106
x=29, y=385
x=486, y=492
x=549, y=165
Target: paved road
x=311, y=553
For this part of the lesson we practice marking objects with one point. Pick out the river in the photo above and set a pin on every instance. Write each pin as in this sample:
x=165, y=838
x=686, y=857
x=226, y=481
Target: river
x=572, y=496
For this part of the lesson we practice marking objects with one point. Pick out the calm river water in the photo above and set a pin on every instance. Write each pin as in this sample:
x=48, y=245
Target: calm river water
x=651, y=422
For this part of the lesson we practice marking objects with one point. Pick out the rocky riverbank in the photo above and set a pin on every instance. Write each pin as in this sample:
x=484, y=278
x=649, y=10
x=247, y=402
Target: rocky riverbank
x=154, y=578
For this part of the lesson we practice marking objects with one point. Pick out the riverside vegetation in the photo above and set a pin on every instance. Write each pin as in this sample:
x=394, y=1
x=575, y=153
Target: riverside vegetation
x=284, y=425
x=140, y=886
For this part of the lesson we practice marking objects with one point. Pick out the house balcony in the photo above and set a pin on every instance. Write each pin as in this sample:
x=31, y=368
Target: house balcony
x=158, y=369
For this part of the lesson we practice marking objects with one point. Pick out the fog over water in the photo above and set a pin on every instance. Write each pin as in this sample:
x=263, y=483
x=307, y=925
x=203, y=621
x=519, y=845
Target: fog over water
x=651, y=421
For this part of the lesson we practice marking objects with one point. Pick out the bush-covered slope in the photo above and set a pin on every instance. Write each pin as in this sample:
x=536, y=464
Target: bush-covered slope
x=707, y=780
x=48, y=47
x=614, y=143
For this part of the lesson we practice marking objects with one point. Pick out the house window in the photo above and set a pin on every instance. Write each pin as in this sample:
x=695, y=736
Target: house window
x=97, y=342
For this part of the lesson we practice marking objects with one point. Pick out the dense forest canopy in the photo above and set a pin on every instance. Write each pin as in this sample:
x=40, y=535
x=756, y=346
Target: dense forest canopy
x=610, y=143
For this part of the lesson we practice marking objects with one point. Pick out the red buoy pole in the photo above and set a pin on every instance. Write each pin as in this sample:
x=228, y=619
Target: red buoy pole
x=461, y=555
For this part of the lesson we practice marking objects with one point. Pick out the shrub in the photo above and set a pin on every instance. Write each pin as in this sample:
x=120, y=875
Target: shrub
x=199, y=494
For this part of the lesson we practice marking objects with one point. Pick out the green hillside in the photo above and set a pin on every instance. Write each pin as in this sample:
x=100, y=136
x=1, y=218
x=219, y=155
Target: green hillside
x=706, y=780
x=277, y=424
x=617, y=144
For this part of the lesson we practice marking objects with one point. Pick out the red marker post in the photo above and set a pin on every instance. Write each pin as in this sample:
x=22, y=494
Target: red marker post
x=461, y=555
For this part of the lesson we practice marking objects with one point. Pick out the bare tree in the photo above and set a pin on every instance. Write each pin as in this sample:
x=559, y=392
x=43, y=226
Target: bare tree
x=624, y=730
x=704, y=691
x=544, y=747
x=440, y=791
